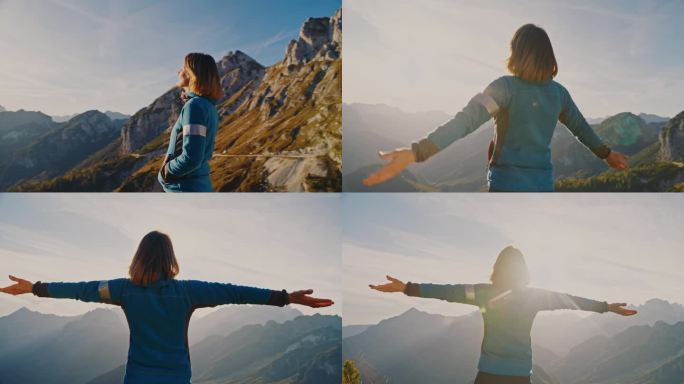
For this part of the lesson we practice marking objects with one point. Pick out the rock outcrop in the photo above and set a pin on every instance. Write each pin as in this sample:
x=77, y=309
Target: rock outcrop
x=319, y=37
x=672, y=139
x=236, y=70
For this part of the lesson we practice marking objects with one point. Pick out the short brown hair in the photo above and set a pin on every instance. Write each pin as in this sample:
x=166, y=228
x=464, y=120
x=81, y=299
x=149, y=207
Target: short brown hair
x=154, y=260
x=204, y=76
x=510, y=270
x=532, y=57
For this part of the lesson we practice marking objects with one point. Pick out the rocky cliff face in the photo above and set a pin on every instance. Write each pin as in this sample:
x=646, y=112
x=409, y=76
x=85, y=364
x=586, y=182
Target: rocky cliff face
x=318, y=37
x=672, y=139
x=236, y=70
x=293, y=118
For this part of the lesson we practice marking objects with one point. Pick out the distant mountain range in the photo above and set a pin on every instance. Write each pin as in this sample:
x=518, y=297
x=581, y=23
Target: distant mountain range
x=420, y=347
x=110, y=114
x=280, y=128
x=462, y=166
x=245, y=344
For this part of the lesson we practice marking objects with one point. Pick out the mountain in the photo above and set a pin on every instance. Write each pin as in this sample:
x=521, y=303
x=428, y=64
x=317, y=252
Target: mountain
x=579, y=329
x=2, y=109
x=99, y=337
x=371, y=128
x=112, y=115
x=304, y=350
x=651, y=118
x=639, y=352
x=287, y=345
x=657, y=167
x=417, y=347
x=353, y=330
x=60, y=148
x=280, y=126
x=228, y=319
x=19, y=129
x=566, y=348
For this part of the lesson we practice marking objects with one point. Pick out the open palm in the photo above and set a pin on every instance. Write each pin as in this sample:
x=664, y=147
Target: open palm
x=302, y=298
x=620, y=310
x=398, y=160
x=394, y=285
x=21, y=287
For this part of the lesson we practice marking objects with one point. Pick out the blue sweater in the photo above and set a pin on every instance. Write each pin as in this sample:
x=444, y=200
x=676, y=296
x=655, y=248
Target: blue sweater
x=186, y=167
x=158, y=316
x=526, y=114
x=508, y=318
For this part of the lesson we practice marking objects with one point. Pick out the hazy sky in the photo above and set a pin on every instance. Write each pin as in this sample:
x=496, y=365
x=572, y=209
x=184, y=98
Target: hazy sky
x=69, y=56
x=613, y=247
x=613, y=56
x=280, y=242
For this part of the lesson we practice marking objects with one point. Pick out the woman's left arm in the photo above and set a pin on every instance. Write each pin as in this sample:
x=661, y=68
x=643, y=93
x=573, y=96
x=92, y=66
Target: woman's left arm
x=194, y=130
x=106, y=291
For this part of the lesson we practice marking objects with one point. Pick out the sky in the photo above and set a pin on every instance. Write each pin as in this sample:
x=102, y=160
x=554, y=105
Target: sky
x=613, y=56
x=612, y=247
x=281, y=242
x=69, y=56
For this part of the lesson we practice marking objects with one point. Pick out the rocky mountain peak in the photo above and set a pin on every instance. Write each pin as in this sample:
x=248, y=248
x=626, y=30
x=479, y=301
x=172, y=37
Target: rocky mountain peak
x=236, y=59
x=672, y=139
x=318, y=37
x=2, y=109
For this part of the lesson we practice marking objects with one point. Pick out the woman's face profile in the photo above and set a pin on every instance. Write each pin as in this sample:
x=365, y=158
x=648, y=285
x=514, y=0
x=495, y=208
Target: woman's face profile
x=183, y=78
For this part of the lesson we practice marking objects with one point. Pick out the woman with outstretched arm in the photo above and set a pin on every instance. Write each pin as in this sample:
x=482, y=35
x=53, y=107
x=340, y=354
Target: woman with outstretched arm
x=508, y=308
x=158, y=307
x=526, y=108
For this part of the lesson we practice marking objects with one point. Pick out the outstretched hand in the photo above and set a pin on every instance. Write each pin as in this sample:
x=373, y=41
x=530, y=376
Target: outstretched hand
x=303, y=298
x=21, y=287
x=617, y=160
x=398, y=159
x=618, y=308
x=395, y=285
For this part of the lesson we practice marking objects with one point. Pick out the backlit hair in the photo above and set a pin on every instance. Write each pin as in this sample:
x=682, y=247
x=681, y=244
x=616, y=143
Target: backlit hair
x=510, y=270
x=204, y=76
x=532, y=57
x=154, y=260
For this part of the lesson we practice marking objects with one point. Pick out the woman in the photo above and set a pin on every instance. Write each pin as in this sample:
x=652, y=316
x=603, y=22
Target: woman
x=508, y=308
x=158, y=307
x=186, y=166
x=526, y=108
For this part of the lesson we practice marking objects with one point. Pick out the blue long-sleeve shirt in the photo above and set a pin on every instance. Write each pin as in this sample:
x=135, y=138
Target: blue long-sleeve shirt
x=191, y=146
x=508, y=316
x=526, y=114
x=158, y=316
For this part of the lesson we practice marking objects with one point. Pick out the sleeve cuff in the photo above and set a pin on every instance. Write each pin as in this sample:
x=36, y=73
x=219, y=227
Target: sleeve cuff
x=412, y=289
x=279, y=298
x=423, y=150
x=601, y=152
x=40, y=289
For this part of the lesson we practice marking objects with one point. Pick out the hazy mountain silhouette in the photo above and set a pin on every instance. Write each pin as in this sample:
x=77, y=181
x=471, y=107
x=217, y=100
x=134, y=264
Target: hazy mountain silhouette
x=92, y=348
x=594, y=349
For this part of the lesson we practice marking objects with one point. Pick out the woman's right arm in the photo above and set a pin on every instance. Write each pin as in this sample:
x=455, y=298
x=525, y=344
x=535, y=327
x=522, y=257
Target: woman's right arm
x=106, y=291
x=548, y=300
x=572, y=118
x=458, y=293
x=479, y=110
